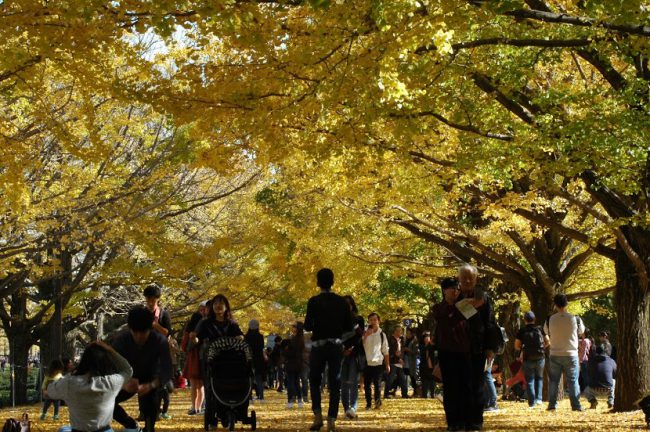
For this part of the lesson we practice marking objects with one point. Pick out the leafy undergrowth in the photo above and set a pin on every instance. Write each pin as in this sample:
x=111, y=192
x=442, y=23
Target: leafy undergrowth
x=395, y=415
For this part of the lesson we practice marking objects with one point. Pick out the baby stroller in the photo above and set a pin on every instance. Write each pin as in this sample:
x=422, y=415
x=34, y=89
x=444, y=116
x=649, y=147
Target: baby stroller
x=229, y=378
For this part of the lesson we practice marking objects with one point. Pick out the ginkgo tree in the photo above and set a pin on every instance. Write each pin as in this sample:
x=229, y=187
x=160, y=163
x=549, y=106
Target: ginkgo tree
x=549, y=99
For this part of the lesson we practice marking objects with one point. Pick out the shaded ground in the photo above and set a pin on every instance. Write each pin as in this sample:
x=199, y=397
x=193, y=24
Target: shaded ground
x=395, y=415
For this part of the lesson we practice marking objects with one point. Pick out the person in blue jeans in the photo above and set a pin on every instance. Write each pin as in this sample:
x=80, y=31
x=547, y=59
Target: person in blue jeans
x=491, y=390
x=532, y=341
x=352, y=355
x=328, y=318
x=563, y=330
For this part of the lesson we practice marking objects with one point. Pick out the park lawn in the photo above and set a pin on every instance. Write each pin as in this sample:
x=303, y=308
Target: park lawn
x=395, y=415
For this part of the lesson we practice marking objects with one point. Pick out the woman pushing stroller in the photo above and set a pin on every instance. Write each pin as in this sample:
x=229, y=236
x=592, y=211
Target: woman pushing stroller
x=227, y=367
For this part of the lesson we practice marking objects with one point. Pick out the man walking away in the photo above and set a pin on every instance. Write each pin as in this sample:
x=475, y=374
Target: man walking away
x=328, y=318
x=531, y=340
x=563, y=330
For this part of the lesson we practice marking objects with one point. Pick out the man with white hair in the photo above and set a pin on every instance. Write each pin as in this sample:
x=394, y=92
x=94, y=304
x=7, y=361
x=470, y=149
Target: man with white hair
x=481, y=348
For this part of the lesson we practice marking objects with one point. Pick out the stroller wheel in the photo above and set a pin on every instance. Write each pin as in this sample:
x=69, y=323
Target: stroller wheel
x=253, y=420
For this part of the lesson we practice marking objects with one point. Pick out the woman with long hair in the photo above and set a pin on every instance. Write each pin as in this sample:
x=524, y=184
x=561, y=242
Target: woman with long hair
x=218, y=323
x=91, y=389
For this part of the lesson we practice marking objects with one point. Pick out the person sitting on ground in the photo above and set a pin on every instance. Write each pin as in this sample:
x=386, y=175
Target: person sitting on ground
x=91, y=389
x=602, y=373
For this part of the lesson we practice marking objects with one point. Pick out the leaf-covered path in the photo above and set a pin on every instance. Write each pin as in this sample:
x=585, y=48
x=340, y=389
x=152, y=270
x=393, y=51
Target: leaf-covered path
x=395, y=415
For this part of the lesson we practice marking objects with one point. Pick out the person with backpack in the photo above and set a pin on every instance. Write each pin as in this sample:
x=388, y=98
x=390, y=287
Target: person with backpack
x=563, y=330
x=532, y=341
x=375, y=347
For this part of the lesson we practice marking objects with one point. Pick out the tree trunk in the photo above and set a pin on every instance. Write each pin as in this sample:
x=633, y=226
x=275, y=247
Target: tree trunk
x=633, y=317
x=19, y=346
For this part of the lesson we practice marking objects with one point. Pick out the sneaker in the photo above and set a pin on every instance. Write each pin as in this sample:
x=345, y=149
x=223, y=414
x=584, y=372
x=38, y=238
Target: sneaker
x=439, y=397
x=55, y=417
x=331, y=424
x=165, y=416
x=192, y=412
x=301, y=405
x=550, y=408
x=538, y=402
x=610, y=405
x=578, y=409
x=593, y=404
x=368, y=406
x=491, y=409
x=353, y=414
x=43, y=416
x=289, y=405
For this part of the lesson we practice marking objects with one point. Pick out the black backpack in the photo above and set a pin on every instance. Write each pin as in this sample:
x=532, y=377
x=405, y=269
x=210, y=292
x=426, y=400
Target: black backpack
x=532, y=340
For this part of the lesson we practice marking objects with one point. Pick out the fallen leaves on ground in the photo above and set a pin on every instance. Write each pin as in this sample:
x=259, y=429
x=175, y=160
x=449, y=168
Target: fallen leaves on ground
x=394, y=415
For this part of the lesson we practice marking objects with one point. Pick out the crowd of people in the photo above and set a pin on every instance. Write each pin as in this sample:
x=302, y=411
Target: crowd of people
x=332, y=350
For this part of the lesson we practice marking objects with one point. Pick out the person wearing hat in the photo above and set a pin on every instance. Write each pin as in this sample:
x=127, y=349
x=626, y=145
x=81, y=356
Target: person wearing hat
x=255, y=341
x=532, y=341
x=452, y=340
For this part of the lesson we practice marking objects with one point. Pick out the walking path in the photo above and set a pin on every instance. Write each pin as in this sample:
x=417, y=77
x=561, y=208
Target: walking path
x=395, y=415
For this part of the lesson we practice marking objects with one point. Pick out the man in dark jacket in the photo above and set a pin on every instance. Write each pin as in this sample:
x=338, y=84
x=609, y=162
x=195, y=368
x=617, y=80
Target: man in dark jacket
x=481, y=348
x=255, y=341
x=602, y=374
x=328, y=318
x=147, y=352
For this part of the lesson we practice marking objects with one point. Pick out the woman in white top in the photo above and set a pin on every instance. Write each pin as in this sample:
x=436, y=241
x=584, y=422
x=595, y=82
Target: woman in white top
x=91, y=390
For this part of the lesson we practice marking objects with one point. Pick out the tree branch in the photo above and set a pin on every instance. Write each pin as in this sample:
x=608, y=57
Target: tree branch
x=590, y=294
x=466, y=128
x=562, y=18
x=485, y=84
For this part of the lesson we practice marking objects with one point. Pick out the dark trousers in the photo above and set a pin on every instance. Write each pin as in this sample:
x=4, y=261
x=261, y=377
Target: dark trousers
x=396, y=377
x=149, y=405
x=164, y=394
x=371, y=379
x=428, y=387
x=259, y=385
x=329, y=355
x=294, y=392
x=46, y=405
x=463, y=379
